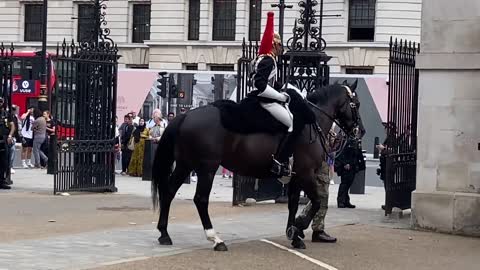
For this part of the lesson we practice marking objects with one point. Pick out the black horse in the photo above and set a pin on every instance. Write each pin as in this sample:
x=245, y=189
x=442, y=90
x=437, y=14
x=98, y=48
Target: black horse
x=198, y=141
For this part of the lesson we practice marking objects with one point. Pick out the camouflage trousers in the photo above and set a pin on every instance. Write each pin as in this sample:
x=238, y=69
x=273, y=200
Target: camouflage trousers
x=323, y=180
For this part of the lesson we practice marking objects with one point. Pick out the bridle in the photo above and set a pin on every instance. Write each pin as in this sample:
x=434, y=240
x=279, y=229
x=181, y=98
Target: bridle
x=355, y=131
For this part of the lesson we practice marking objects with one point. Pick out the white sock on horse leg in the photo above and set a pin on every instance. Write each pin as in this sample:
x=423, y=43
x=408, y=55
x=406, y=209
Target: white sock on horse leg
x=213, y=237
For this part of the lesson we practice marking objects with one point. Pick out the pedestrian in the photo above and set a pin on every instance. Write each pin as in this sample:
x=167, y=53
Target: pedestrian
x=16, y=137
x=157, y=130
x=226, y=173
x=139, y=135
x=7, y=129
x=135, y=118
x=347, y=165
x=39, y=128
x=27, y=138
x=117, y=142
x=125, y=139
x=318, y=222
x=391, y=133
x=170, y=116
x=50, y=132
x=151, y=123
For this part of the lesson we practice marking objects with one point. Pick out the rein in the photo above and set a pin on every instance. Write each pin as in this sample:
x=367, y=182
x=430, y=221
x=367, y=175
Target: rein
x=324, y=138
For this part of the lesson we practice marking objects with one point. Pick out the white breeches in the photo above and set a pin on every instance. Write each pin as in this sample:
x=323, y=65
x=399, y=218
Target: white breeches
x=271, y=93
x=280, y=112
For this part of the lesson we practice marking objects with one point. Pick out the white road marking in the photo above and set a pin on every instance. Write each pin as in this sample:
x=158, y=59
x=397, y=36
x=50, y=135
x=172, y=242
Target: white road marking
x=125, y=261
x=301, y=255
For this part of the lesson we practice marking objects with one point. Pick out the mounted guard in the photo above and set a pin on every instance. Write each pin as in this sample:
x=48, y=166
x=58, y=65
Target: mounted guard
x=268, y=92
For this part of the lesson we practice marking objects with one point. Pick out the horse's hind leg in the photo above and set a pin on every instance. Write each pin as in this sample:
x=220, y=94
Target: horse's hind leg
x=176, y=180
x=201, y=199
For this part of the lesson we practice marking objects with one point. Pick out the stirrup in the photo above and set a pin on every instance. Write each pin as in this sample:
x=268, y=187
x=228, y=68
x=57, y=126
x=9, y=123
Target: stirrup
x=280, y=169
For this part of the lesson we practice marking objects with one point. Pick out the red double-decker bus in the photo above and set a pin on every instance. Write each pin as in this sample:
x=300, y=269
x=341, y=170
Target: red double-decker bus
x=26, y=79
x=27, y=82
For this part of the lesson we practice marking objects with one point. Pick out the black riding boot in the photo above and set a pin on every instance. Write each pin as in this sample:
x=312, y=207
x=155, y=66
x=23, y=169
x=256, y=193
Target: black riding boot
x=281, y=161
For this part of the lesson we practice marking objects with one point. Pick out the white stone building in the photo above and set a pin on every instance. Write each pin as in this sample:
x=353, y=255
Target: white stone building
x=207, y=34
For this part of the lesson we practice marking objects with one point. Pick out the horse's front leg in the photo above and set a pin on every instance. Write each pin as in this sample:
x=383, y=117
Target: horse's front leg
x=293, y=233
x=312, y=190
x=293, y=200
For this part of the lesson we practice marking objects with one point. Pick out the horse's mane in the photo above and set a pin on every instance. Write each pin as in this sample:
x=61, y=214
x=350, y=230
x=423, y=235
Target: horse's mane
x=324, y=94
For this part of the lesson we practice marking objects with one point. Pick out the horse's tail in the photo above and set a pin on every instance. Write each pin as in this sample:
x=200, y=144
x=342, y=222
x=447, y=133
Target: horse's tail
x=164, y=158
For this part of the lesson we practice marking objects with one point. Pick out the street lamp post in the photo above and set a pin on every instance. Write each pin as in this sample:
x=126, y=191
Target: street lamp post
x=281, y=6
x=42, y=100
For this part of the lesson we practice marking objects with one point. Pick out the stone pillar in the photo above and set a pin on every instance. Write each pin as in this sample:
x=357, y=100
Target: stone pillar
x=447, y=198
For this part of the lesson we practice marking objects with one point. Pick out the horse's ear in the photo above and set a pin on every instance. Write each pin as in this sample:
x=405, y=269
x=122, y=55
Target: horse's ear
x=345, y=82
x=353, y=87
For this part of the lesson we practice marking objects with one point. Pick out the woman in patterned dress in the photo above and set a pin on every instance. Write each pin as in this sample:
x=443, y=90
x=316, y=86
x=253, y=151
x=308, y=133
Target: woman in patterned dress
x=135, y=168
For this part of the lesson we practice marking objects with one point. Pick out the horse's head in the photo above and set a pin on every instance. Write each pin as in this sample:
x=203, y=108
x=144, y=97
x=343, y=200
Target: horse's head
x=348, y=109
x=341, y=101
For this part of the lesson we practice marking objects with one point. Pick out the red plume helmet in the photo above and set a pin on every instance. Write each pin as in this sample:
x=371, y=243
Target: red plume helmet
x=267, y=39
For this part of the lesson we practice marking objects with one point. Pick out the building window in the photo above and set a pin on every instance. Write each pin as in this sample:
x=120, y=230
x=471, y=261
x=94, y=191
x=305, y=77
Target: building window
x=191, y=66
x=194, y=20
x=86, y=22
x=141, y=23
x=222, y=68
x=33, y=22
x=224, y=19
x=137, y=66
x=361, y=21
x=359, y=70
x=255, y=21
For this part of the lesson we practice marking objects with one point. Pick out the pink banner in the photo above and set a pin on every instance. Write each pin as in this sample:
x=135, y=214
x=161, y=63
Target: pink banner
x=133, y=87
x=379, y=91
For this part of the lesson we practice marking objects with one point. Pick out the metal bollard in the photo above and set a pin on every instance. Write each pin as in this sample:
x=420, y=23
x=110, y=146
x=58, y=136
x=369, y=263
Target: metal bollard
x=148, y=156
x=358, y=185
x=376, y=153
x=52, y=155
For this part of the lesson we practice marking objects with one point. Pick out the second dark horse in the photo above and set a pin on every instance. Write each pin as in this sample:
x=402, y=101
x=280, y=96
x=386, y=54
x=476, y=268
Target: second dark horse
x=198, y=141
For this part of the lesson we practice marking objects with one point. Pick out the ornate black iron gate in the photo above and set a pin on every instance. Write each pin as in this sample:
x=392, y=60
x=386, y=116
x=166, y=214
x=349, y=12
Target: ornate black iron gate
x=400, y=177
x=6, y=73
x=243, y=186
x=6, y=81
x=85, y=108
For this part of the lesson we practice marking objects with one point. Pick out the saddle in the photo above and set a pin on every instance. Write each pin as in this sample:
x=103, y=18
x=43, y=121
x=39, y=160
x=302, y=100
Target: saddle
x=248, y=117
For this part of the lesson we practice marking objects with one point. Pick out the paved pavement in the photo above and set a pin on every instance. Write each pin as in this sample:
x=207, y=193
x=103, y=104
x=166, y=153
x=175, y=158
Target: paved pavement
x=359, y=247
x=96, y=248
x=36, y=180
x=92, y=249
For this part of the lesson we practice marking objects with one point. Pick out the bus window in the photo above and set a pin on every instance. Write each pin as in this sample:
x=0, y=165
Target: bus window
x=27, y=70
x=32, y=103
x=17, y=67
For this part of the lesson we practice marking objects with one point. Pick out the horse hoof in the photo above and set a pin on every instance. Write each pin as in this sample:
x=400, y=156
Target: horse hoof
x=220, y=247
x=165, y=241
x=292, y=232
x=298, y=244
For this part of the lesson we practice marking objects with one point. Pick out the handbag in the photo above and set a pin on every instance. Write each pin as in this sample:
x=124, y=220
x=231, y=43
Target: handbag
x=131, y=143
